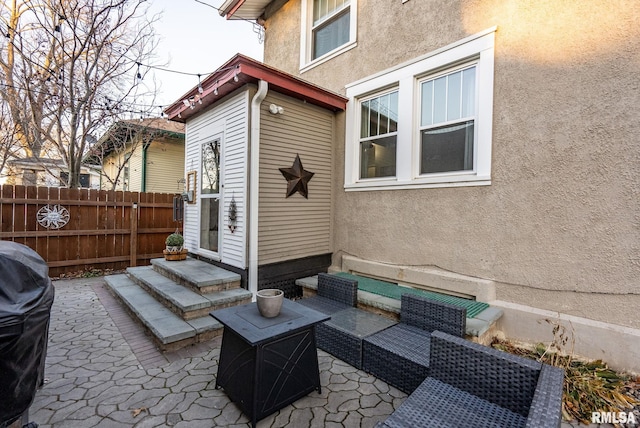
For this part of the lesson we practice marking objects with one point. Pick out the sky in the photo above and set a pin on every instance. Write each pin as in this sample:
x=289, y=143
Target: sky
x=194, y=38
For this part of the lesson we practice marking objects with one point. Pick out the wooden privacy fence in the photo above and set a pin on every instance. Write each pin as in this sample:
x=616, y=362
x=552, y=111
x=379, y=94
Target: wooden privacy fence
x=105, y=229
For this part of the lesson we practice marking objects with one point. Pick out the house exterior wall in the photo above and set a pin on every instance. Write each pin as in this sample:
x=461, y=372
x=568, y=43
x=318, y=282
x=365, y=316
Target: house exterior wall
x=111, y=165
x=294, y=227
x=135, y=169
x=558, y=227
x=165, y=166
x=228, y=121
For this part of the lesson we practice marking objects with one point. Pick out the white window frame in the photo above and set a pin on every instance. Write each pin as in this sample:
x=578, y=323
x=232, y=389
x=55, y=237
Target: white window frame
x=306, y=37
x=478, y=49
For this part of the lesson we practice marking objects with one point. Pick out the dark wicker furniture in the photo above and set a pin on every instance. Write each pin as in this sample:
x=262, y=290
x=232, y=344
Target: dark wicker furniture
x=472, y=385
x=399, y=355
x=334, y=294
x=342, y=335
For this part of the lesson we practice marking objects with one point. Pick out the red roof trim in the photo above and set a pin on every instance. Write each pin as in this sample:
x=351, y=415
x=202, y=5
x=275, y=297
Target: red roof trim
x=235, y=8
x=248, y=70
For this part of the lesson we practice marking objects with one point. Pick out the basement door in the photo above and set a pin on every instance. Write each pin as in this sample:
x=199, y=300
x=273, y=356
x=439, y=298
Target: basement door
x=210, y=196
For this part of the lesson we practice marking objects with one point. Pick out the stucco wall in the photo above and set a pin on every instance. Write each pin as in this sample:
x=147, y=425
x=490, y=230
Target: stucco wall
x=559, y=226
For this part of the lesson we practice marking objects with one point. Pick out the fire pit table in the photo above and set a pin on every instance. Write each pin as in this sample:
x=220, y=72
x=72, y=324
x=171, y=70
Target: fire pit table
x=268, y=363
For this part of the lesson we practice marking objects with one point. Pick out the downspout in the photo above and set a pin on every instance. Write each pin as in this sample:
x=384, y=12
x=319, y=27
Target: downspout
x=143, y=185
x=254, y=182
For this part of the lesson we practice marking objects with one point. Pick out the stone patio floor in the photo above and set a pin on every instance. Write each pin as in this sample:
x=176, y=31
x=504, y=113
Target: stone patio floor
x=102, y=371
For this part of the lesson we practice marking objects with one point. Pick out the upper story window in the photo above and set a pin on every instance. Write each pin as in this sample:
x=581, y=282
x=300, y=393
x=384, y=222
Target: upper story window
x=330, y=25
x=427, y=123
x=328, y=29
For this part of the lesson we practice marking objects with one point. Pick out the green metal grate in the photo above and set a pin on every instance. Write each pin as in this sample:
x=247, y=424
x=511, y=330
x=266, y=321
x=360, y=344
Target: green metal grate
x=394, y=291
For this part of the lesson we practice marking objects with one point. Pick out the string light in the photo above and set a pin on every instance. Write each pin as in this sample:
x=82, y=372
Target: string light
x=139, y=77
x=58, y=27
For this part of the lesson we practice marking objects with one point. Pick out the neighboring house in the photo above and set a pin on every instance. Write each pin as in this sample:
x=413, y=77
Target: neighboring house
x=49, y=173
x=487, y=149
x=143, y=156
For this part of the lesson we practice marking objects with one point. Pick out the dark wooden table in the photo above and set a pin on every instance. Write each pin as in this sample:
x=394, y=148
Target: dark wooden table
x=268, y=363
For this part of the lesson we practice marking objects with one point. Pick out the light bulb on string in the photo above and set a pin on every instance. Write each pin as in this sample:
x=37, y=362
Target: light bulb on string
x=58, y=28
x=138, y=75
x=200, y=90
x=215, y=90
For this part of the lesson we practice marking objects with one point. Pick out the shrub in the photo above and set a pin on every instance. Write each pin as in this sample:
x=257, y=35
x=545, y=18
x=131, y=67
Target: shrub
x=174, y=240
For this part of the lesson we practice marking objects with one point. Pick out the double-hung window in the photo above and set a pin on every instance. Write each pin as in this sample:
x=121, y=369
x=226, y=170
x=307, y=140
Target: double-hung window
x=328, y=29
x=425, y=123
x=378, y=131
x=447, y=119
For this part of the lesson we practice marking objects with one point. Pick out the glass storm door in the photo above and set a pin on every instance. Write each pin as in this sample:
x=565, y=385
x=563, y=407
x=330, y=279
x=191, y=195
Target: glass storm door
x=210, y=196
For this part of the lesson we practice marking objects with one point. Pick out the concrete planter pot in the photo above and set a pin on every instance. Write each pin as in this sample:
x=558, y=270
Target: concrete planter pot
x=269, y=302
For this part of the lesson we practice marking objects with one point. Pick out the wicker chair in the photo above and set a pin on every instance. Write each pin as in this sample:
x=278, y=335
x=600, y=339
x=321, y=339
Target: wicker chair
x=334, y=294
x=472, y=385
x=399, y=355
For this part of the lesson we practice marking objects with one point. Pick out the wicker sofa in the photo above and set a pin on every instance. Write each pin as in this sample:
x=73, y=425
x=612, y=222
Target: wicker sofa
x=399, y=355
x=472, y=385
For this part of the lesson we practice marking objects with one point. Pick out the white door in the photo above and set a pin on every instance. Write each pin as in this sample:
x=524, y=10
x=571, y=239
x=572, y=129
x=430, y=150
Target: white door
x=210, y=236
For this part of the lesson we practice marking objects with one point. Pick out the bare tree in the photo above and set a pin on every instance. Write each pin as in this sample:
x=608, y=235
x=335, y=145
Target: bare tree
x=9, y=145
x=71, y=68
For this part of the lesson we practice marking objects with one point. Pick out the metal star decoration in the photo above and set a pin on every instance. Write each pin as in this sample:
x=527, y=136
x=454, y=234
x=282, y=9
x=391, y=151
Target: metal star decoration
x=297, y=178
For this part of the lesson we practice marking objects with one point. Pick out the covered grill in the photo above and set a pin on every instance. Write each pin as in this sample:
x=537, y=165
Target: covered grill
x=26, y=296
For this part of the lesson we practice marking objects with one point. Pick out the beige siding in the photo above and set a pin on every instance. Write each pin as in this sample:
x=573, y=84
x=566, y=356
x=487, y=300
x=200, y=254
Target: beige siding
x=165, y=166
x=135, y=170
x=294, y=227
x=112, y=164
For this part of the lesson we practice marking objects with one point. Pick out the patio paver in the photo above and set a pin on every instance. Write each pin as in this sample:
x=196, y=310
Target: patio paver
x=97, y=378
x=102, y=371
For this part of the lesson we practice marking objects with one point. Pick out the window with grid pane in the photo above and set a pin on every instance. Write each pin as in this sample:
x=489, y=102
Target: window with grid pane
x=447, y=122
x=331, y=25
x=378, y=133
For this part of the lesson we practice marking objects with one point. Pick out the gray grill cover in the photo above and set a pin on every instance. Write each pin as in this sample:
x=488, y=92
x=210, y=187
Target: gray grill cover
x=26, y=296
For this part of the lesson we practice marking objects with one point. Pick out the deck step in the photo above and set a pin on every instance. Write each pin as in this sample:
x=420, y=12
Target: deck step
x=168, y=329
x=201, y=276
